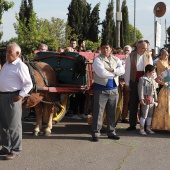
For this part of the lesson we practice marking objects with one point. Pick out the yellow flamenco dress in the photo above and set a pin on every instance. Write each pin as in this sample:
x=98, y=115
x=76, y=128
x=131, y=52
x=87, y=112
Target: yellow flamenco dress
x=161, y=116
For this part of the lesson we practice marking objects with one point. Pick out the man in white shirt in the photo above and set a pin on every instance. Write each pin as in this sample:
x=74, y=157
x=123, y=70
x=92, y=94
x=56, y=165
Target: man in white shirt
x=15, y=86
x=106, y=68
x=134, y=69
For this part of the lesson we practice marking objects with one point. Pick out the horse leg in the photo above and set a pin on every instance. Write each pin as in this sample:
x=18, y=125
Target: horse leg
x=38, y=110
x=50, y=110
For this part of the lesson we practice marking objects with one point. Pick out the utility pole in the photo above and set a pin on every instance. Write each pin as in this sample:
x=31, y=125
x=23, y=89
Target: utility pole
x=134, y=20
x=118, y=21
x=165, y=35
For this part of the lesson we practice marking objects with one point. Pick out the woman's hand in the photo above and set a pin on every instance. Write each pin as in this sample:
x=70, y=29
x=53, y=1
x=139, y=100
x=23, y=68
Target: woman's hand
x=142, y=102
x=166, y=84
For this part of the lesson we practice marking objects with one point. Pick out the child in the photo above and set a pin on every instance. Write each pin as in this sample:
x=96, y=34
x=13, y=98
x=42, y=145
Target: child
x=147, y=96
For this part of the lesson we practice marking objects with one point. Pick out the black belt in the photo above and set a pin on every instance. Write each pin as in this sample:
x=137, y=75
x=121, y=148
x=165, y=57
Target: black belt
x=9, y=92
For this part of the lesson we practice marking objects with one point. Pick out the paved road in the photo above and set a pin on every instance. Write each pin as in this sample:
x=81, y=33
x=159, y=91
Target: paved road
x=69, y=148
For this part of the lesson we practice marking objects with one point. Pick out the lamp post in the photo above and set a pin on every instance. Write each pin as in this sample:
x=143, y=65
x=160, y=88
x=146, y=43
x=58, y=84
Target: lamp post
x=118, y=22
x=134, y=20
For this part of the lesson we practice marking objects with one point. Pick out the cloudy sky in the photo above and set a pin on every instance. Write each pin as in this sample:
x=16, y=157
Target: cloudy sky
x=58, y=8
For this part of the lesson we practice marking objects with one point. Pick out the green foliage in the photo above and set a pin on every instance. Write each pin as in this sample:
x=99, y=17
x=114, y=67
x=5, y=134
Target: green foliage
x=168, y=32
x=124, y=33
x=75, y=17
x=32, y=31
x=139, y=36
x=94, y=24
x=40, y=31
x=108, y=26
x=4, y=6
x=83, y=22
x=90, y=45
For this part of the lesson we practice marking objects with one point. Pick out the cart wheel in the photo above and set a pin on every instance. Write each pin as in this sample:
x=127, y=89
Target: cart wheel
x=62, y=108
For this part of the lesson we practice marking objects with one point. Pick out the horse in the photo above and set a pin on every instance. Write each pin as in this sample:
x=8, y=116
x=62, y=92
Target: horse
x=42, y=101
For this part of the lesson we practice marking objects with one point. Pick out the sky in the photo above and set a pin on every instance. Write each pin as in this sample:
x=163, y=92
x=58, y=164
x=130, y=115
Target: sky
x=58, y=8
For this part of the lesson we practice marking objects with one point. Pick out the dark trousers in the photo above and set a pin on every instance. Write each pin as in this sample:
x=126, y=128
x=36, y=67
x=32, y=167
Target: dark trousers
x=77, y=103
x=133, y=105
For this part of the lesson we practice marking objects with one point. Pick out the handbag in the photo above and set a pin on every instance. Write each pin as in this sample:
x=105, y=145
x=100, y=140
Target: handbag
x=148, y=99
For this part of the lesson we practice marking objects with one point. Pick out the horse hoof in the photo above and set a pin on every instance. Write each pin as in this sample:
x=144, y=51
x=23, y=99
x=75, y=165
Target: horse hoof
x=35, y=133
x=47, y=133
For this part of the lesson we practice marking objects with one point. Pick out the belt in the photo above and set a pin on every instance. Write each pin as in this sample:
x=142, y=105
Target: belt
x=9, y=92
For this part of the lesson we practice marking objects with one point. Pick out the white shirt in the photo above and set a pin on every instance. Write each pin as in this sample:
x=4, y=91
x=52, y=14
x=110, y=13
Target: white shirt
x=100, y=70
x=140, y=67
x=15, y=76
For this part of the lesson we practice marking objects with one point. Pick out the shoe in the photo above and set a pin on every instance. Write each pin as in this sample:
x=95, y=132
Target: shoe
x=125, y=121
x=114, y=137
x=150, y=131
x=142, y=132
x=69, y=115
x=11, y=156
x=3, y=153
x=76, y=117
x=83, y=116
x=130, y=128
x=30, y=117
x=95, y=139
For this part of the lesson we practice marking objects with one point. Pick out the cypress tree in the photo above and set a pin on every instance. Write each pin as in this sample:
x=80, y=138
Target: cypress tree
x=108, y=26
x=26, y=11
x=124, y=25
x=23, y=10
x=75, y=17
x=94, y=24
x=86, y=20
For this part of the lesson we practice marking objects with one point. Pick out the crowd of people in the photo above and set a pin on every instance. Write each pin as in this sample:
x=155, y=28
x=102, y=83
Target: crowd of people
x=145, y=90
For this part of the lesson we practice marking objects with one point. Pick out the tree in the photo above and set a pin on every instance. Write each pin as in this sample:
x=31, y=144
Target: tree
x=139, y=36
x=4, y=6
x=124, y=33
x=26, y=27
x=168, y=32
x=86, y=20
x=83, y=23
x=23, y=11
x=94, y=24
x=108, y=26
x=75, y=17
x=52, y=32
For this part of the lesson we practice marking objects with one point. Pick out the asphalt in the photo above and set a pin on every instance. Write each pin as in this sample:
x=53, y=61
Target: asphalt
x=70, y=148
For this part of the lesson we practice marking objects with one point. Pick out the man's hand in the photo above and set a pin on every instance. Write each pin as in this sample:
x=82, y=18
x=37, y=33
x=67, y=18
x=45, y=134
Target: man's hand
x=16, y=98
x=110, y=69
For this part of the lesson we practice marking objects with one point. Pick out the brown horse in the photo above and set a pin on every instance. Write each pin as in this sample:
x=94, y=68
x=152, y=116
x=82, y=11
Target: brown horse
x=42, y=100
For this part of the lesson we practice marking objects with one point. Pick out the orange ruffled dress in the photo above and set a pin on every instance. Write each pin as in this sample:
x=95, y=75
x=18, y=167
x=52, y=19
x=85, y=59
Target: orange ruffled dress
x=161, y=116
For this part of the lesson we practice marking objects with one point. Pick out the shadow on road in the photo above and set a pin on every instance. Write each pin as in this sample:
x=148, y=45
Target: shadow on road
x=79, y=129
